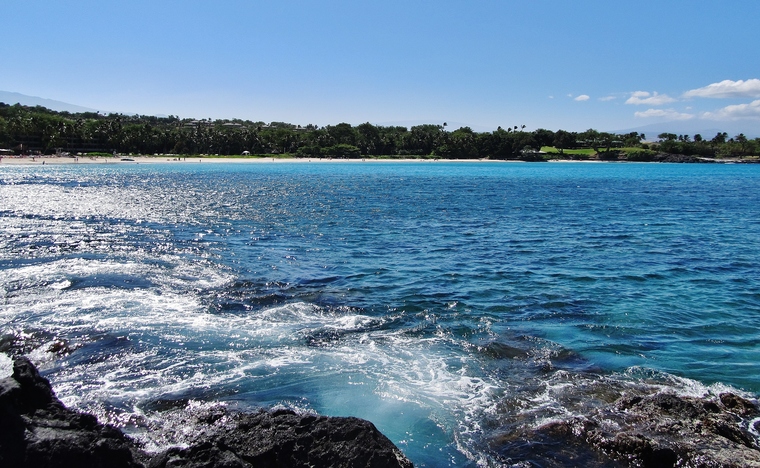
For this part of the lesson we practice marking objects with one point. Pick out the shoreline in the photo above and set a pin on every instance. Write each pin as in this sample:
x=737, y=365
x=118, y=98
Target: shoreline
x=68, y=160
x=100, y=160
x=637, y=428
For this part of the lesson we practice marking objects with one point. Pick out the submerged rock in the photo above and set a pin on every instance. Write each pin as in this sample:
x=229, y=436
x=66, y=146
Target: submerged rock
x=37, y=430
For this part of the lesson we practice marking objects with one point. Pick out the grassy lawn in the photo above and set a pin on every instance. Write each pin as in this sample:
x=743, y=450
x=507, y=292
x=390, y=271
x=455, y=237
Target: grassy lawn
x=583, y=151
x=587, y=151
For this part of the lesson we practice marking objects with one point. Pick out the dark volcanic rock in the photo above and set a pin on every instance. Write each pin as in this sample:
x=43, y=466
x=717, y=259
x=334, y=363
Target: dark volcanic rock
x=662, y=430
x=677, y=158
x=36, y=430
x=283, y=438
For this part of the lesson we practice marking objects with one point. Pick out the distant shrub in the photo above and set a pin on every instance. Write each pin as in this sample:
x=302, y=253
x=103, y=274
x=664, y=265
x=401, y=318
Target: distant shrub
x=342, y=150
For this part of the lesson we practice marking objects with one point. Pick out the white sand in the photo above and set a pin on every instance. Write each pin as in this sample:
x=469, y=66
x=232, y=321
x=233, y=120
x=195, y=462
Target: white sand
x=42, y=160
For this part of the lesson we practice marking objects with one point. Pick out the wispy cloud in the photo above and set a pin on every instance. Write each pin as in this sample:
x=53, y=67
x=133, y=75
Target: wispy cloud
x=736, y=112
x=583, y=97
x=650, y=99
x=727, y=89
x=670, y=114
x=607, y=98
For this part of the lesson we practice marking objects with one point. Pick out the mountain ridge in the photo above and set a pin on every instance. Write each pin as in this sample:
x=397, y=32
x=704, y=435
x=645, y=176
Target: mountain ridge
x=651, y=131
x=12, y=98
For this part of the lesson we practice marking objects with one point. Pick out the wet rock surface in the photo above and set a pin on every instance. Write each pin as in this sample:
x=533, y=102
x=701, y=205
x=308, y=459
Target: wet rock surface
x=677, y=158
x=37, y=430
x=660, y=430
x=284, y=438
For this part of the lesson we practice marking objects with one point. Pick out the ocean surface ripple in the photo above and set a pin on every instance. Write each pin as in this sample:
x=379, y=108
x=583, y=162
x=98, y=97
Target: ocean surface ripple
x=444, y=302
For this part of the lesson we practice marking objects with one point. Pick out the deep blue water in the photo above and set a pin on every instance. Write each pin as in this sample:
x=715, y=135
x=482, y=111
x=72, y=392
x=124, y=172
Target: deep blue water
x=445, y=302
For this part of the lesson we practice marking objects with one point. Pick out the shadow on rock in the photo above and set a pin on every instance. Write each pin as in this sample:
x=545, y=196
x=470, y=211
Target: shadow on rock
x=660, y=430
x=37, y=430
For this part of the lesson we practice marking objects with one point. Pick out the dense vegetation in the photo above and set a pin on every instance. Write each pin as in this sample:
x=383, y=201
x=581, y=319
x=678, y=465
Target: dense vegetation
x=26, y=130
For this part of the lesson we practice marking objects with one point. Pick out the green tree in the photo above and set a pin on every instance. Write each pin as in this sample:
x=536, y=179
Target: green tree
x=592, y=139
x=461, y=144
x=563, y=140
x=369, y=141
x=719, y=138
x=544, y=137
x=632, y=139
x=423, y=139
x=743, y=143
x=342, y=150
x=342, y=133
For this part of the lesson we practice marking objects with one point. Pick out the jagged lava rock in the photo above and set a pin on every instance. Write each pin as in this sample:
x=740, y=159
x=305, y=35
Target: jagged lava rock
x=37, y=430
x=664, y=430
x=283, y=438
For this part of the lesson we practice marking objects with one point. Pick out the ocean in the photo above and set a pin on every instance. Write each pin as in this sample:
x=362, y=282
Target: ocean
x=448, y=303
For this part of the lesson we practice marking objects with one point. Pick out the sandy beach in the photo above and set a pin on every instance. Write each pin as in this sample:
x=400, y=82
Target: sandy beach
x=68, y=160
x=57, y=160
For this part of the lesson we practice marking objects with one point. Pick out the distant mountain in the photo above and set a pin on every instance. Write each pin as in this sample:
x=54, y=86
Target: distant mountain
x=705, y=128
x=18, y=98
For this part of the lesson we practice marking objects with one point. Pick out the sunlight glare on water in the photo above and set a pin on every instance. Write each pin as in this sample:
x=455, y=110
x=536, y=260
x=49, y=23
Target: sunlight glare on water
x=443, y=302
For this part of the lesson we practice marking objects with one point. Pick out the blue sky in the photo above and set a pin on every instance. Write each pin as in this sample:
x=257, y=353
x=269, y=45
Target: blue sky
x=544, y=64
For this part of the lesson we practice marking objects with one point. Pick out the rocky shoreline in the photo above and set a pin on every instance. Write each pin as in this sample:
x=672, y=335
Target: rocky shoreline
x=657, y=430
x=649, y=431
x=37, y=430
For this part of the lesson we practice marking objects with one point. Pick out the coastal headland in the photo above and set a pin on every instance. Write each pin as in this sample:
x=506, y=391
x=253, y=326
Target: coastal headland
x=659, y=430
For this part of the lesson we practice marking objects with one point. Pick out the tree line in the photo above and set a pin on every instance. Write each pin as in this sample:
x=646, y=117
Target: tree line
x=30, y=130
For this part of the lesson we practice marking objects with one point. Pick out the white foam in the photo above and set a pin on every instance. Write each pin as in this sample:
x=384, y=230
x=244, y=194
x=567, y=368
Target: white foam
x=682, y=386
x=752, y=427
x=387, y=371
x=6, y=366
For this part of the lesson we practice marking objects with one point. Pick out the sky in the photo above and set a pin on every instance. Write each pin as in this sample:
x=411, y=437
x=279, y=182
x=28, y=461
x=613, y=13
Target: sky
x=555, y=64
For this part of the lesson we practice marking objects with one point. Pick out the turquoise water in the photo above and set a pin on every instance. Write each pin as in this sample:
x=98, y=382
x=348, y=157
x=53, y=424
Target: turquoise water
x=445, y=302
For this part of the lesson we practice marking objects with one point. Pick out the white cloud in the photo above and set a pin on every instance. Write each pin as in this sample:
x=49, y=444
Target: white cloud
x=650, y=99
x=583, y=97
x=670, y=114
x=736, y=112
x=727, y=89
x=607, y=98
